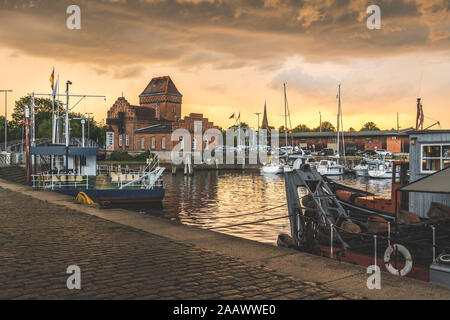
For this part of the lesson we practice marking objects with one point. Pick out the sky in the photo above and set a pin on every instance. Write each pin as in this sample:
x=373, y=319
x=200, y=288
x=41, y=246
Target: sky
x=229, y=56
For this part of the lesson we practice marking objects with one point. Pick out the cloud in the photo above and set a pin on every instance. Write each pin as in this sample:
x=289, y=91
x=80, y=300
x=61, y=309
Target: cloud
x=305, y=84
x=177, y=32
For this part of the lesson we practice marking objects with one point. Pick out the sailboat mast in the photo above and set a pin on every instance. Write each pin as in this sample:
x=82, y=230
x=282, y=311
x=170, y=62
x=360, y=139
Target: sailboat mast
x=339, y=120
x=285, y=116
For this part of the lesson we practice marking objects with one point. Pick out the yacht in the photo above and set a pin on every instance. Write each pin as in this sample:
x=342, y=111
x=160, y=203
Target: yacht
x=330, y=168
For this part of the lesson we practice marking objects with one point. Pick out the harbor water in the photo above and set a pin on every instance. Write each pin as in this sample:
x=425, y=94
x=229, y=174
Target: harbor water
x=231, y=201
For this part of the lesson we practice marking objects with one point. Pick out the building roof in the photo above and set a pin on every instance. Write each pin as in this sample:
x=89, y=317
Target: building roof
x=161, y=85
x=413, y=132
x=156, y=128
x=314, y=134
x=438, y=182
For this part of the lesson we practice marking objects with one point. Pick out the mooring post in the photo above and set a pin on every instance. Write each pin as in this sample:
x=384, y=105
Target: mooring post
x=389, y=234
x=375, y=249
x=434, y=242
x=331, y=243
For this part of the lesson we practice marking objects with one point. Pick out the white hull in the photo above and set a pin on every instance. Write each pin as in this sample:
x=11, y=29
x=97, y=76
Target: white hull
x=273, y=169
x=361, y=171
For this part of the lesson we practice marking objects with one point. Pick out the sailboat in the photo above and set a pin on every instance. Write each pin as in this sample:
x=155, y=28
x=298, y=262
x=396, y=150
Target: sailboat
x=332, y=167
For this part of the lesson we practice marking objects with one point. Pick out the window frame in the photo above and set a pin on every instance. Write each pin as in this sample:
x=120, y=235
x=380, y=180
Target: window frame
x=441, y=157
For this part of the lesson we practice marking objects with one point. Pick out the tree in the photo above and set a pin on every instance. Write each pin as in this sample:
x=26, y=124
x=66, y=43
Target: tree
x=301, y=128
x=370, y=126
x=351, y=129
x=326, y=127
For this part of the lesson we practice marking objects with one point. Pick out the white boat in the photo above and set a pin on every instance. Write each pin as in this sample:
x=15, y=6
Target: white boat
x=330, y=168
x=382, y=171
x=273, y=168
x=361, y=170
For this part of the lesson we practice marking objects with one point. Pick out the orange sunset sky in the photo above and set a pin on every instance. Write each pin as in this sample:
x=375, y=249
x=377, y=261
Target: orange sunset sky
x=231, y=56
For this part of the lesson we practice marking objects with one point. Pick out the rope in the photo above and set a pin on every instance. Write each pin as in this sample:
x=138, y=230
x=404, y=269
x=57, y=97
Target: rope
x=248, y=223
x=240, y=215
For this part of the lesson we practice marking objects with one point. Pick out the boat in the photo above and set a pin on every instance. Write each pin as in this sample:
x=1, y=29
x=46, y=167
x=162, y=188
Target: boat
x=106, y=189
x=344, y=223
x=366, y=164
x=362, y=169
x=273, y=168
x=382, y=171
x=330, y=168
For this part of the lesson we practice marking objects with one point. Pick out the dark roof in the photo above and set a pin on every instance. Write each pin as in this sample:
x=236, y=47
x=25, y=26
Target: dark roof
x=143, y=113
x=157, y=128
x=161, y=85
x=314, y=134
x=438, y=182
x=428, y=132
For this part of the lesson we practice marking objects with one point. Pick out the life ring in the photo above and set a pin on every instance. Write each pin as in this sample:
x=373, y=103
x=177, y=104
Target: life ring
x=406, y=254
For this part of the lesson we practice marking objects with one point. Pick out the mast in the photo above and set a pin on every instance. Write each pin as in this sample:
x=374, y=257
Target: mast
x=285, y=116
x=338, y=120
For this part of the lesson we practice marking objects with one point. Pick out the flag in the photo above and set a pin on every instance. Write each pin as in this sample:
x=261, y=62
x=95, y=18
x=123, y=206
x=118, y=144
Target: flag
x=55, y=89
x=232, y=116
x=52, y=79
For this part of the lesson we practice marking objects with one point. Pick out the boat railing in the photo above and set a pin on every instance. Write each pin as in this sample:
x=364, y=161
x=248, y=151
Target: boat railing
x=58, y=181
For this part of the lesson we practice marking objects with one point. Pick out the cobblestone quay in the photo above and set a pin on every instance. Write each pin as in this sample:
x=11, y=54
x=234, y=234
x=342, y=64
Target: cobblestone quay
x=39, y=240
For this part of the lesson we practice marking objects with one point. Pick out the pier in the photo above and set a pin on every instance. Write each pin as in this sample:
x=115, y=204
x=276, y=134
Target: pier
x=128, y=255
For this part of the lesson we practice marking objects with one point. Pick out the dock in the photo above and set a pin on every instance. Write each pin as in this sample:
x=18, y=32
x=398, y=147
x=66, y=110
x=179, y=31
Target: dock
x=129, y=255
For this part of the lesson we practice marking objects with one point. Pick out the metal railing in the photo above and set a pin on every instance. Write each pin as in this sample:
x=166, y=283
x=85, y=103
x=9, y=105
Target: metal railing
x=57, y=181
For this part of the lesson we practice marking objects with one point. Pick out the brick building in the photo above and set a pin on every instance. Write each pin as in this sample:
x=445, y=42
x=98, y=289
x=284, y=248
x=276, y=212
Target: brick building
x=149, y=126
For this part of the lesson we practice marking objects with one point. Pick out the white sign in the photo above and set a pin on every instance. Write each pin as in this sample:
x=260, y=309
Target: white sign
x=110, y=141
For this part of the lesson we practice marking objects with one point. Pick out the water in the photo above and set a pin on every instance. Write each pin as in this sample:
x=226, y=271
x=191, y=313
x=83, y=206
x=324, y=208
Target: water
x=209, y=197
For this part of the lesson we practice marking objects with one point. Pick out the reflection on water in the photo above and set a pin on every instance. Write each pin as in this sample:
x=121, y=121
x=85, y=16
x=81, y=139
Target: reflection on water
x=209, y=198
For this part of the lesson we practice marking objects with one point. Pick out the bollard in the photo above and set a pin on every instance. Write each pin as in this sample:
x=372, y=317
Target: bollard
x=389, y=234
x=375, y=251
x=434, y=242
x=331, y=243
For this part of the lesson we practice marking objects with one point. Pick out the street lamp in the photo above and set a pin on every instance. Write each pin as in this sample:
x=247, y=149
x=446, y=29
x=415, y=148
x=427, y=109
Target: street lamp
x=6, y=115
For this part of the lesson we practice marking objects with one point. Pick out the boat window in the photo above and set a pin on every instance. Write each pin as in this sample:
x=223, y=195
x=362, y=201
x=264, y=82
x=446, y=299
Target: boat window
x=323, y=162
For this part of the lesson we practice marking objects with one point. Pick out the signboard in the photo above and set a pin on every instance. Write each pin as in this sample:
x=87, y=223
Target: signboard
x=110, y=141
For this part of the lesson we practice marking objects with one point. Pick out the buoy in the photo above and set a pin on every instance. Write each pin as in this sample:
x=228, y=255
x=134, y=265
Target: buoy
x=83, y=198
x=406, y=255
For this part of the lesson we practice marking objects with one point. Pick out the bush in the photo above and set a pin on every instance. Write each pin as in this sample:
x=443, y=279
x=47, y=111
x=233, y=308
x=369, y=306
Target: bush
x=123, y=156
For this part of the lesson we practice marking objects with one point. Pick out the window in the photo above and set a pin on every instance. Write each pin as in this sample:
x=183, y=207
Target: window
x=206, y=144
x=194, y=144
x=164, y=143
x=435, y=157
x=153, y=143
x=142, y=143
x=127, y=140
x=120, y=140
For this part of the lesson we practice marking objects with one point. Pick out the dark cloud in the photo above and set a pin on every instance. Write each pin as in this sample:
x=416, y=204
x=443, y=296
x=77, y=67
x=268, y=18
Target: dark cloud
x=244, y=32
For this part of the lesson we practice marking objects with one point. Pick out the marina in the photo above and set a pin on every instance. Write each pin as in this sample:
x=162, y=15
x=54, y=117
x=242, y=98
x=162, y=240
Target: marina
x=205, y=150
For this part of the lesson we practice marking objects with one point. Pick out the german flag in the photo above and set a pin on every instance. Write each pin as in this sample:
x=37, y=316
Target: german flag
x=52, y=79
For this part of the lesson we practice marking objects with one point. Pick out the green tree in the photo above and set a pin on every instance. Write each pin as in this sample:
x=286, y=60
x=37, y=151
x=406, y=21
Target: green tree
x=351, y=129
x=370, y=126
x=326, y=127
x=301, y=128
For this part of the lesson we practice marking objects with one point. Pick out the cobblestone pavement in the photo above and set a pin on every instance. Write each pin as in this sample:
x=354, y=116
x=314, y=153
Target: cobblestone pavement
x=38, y=241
